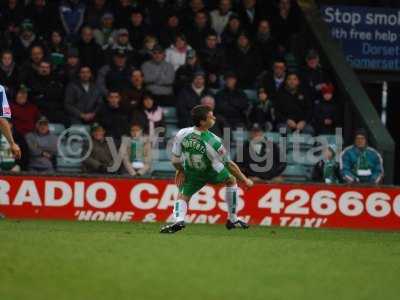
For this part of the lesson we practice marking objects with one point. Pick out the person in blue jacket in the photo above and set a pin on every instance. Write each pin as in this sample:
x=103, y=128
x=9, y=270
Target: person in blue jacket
x=360, y=163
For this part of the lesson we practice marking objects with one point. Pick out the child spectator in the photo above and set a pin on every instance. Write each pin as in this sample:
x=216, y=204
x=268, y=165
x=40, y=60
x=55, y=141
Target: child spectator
x=327, y=169
x=136, y=152
x=149, y=115
x=25, y=114
x=100, y=158
x=325, y=111
x=262, y=112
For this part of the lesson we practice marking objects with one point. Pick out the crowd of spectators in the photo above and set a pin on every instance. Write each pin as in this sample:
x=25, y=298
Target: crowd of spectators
x=114, y=65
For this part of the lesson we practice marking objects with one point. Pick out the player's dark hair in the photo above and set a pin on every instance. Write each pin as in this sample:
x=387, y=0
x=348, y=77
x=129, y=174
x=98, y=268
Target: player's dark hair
x=199, y=113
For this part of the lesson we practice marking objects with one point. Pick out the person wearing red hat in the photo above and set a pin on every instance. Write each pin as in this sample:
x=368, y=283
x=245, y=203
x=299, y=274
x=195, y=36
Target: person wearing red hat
x=325, y=111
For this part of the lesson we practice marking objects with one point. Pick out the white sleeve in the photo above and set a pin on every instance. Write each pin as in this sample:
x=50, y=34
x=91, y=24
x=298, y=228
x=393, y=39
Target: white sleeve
x=5, y=110
x=177, y=145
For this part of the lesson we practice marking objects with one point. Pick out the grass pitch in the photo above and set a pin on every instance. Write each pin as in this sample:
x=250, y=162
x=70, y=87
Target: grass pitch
x=42, y=260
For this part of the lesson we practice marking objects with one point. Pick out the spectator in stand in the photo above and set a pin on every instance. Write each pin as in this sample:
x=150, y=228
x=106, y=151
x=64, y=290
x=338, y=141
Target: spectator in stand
x=90, y=53
x=189, y=97
x=246, y=61
x=104, y=33
x=326, y=112
x=261, y=158
x=266, y=44
x=30, y=67
x=94, y=13
x=360, y=163
x=25, y=114
x=198, y=31
x=42, y=147
x=170, y=30
x=220, y=17
x=314, y=77
x=9, y=74
x=327, y=169
x=113, y=117
x=115, y=76
x=273, y=82
x=12, y=13
x=213, y=60
x=120, y=42
x=57, y=49
x=137, y=29
x=136, y=152
x=293, y=107
x=22, y=43
x=176, y=53
x=123, y=11
x=150, y=116
x=159, y=77
x=133, y=94
x=232, y=103
x=69, y=72
x=159, y=11
x=250, y=14
x=144, y=54
x=286, y=23
x=231, y=32
x=220, y=123
x=184, y=75
x=189, y=14
x=262, y=112
x=42, y=12
x=72, y=13
x=47, y=93
x=83, y=98
x=100, y=158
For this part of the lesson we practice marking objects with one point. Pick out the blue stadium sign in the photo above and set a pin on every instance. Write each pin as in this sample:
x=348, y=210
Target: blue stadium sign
x=370, y=37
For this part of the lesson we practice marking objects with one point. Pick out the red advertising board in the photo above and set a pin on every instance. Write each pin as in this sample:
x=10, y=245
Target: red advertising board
x=147, y=200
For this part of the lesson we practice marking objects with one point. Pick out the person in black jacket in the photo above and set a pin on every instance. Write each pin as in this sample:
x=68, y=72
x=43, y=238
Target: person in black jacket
x=213, y=59
x=115, y=76
x=327, y=169
x=113, y=117
x=293, y=107
x=325, y=111
x=232, y=103
x=47, y=93
x=90, y=53
x=273, y=81
x=9, y=74
x=197, y=33
x=260, y=158
x=313, y=75
x=266, y=44
x=184, y=74
x=189, y=97
x=246, y=61
x=262, y=112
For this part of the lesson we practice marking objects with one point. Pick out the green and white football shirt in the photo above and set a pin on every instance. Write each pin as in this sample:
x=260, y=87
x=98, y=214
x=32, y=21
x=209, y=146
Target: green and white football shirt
x=202, y=153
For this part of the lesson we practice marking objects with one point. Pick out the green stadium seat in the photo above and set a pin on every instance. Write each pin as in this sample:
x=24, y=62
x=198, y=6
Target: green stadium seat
x=302, y=158
x=171, y=130
x=56, y=128
x=273, y=136
x=329, y=139
x=163, y=169
x=251, y=94
x=79, y=127
x=239, y=135
x=160, y=155
x=305, y=141
x=169, y=113
x=68, y=166
x=296, y=173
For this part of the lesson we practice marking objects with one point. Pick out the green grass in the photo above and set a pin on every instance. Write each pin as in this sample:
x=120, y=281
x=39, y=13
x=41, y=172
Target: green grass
x=72, y=260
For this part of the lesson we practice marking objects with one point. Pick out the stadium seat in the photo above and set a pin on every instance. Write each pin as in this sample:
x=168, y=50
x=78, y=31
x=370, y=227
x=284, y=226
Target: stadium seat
x=305, y=141
x=160, y=155
x=172, y=130
x=79, y=127
x=273, y=136
x=239, y=135
x=305, y=158
x=251, y=94
x=330, y=139
x=296, y=173
x=68, y=166
x=170, y=114
x=56, y=128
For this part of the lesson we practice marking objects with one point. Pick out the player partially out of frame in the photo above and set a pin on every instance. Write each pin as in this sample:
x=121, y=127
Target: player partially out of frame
x=5, y=115
x=199, y=157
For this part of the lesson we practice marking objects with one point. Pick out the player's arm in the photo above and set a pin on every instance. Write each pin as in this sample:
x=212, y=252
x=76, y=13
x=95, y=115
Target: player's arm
x=179, y=174
x=235, y=170
x=6, y=130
